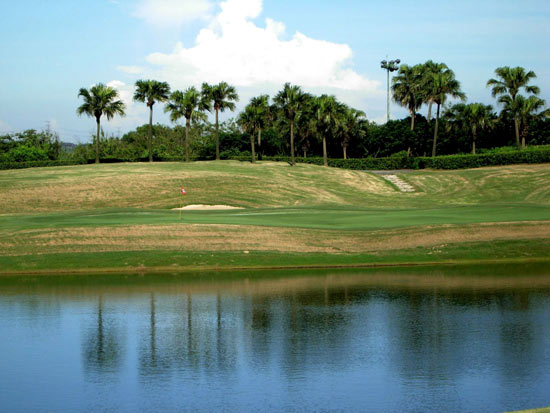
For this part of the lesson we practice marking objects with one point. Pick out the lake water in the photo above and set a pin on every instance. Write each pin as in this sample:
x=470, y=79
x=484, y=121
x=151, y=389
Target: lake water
x=452, y=339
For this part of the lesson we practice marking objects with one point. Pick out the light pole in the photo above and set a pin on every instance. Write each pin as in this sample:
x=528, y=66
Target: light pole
x=390, y=66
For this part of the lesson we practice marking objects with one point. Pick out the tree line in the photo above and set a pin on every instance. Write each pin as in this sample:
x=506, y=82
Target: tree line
x=432, y=83
x=295, y=121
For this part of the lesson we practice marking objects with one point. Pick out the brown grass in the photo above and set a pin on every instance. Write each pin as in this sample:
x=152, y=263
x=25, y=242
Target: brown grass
x=197, y=237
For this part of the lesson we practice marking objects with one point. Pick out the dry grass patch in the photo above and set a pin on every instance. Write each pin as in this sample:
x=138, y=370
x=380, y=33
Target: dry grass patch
x=211, y=237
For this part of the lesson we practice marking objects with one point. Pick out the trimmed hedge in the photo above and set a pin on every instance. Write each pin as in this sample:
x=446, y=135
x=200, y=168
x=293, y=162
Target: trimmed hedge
x=528, y=156
x=359, y=164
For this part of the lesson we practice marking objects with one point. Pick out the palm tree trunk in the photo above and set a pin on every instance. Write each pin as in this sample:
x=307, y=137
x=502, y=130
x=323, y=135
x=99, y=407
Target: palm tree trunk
x=292, y=143
x=97, y=142
x=217, y=137
x=252, y=147
x=151, y=133
x=516, y=125
x=435, y=131
x=325, y=160
x=260, y=144
x=345, y=152
x=305, y=154
x=474, y=144
x=187, y=127
x=412, y=120
x=430, y=110
x=524, y=134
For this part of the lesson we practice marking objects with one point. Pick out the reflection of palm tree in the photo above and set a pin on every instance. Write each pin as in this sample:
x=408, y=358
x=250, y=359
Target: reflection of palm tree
x=102, y=351
x=153, y=331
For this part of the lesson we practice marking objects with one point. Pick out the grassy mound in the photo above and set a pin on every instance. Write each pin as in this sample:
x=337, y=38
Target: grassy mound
x=118, y=216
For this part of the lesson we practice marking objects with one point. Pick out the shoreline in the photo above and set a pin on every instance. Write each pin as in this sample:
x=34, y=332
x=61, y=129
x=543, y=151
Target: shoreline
x=204, y=269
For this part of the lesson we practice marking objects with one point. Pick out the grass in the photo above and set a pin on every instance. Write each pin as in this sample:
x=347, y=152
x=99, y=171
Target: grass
x=118, y=216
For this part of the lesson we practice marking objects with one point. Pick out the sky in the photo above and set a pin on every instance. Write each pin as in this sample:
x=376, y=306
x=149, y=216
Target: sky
x=52, y=48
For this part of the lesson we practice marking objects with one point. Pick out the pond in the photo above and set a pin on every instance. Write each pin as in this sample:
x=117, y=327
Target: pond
x=451, y=339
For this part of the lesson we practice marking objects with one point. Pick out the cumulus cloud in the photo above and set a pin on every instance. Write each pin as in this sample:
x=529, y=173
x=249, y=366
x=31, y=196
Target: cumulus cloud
x=255, y=56
x=235, y=49
x=170, y=13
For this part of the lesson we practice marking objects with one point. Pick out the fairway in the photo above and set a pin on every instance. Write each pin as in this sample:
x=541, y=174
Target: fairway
x=348, y=219
x=306, y=215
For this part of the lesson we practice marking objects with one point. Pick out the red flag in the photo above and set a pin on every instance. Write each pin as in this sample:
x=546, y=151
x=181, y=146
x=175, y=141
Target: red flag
x=183, y=191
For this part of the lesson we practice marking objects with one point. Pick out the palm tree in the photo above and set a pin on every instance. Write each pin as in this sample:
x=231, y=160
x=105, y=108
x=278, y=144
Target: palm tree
x=151, y=91
x=472, y=118
x=407, y=88
x=429, y=69
x=306, y=124
x=262, y=117
x=221, y=96
x=524, y=109
x=289, y=101
x=247, y=122
x=509, y=82
x=353, y=123
x=441, y=85
x=329, y=117
x=100, y=100
x=186, y=104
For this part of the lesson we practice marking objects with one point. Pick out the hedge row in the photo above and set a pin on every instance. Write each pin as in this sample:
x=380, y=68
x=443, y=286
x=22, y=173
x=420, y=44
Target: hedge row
x=476, y=161
x=527, y=156
x=35, y=164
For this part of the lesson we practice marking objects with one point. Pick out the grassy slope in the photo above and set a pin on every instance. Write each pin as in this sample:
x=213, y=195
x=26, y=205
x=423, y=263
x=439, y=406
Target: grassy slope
x=118, y=216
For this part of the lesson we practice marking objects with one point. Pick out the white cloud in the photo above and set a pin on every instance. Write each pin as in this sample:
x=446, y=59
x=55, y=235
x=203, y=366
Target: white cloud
x=170, y=13
x=255, y=58
x=234, y=49
x=136, y=112
x=131, y=70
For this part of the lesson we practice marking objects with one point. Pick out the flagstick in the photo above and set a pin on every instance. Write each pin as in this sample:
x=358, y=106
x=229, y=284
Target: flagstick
x=181, y=209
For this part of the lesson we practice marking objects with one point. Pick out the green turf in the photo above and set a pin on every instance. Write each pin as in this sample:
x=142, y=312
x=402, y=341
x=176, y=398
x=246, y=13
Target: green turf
x=156, y=186
x=480, y=252
x=272, y=195
x=344, y=218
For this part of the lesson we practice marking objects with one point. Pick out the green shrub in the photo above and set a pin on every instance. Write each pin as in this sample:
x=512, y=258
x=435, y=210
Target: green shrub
x=25, y=153
x=36, y=164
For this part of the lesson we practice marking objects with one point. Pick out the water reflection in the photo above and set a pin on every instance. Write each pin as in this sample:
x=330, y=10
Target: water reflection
x=102, y=344
x=390, y=340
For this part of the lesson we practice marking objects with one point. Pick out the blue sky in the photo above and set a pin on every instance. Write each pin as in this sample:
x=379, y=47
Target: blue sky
x=51, y=49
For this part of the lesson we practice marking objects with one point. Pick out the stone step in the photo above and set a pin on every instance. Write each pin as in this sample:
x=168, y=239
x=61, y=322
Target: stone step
x=399, y=183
